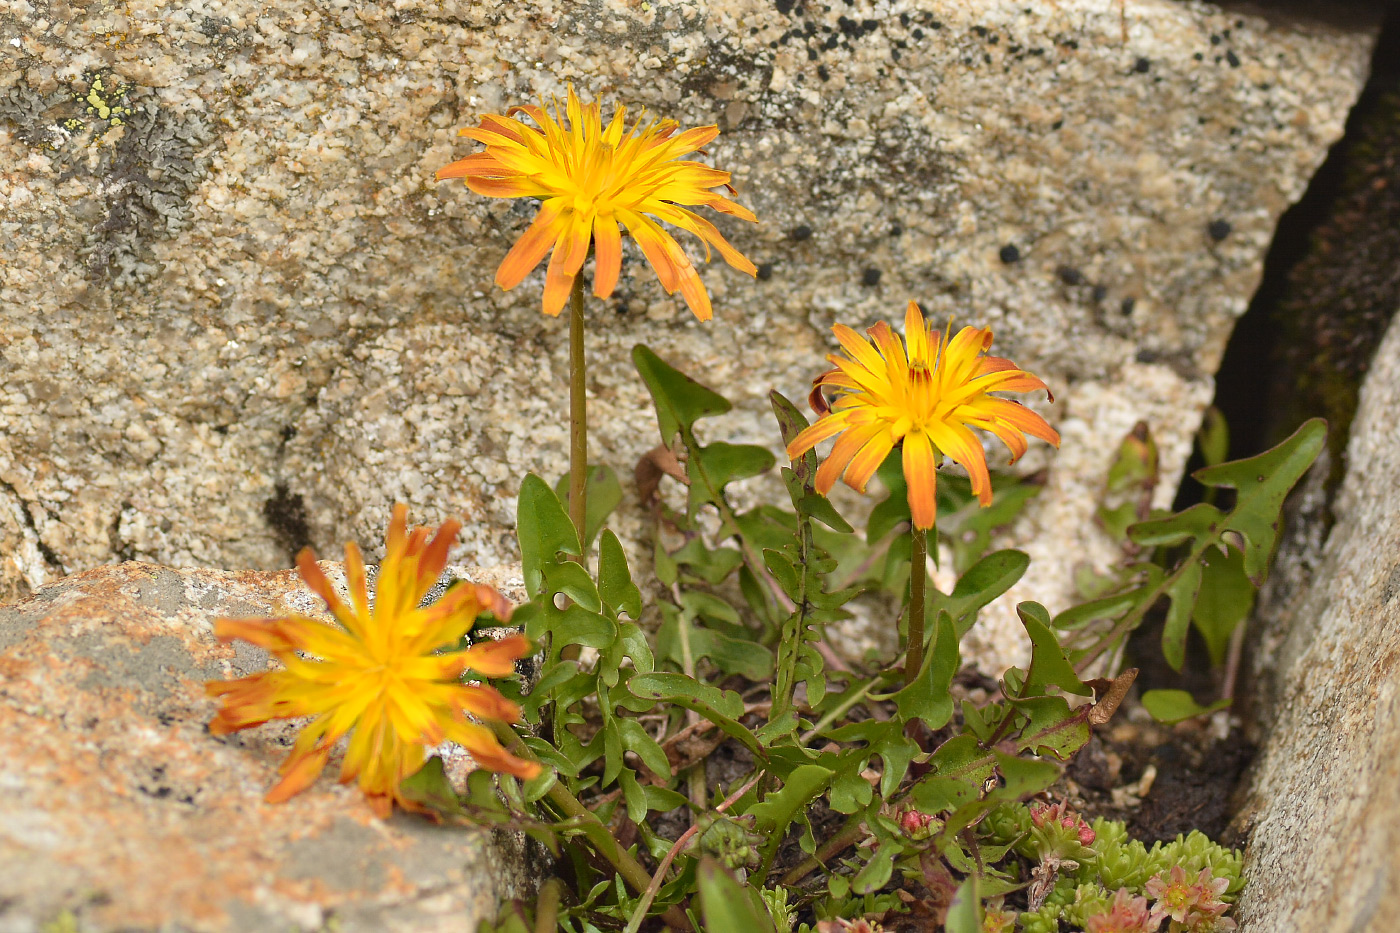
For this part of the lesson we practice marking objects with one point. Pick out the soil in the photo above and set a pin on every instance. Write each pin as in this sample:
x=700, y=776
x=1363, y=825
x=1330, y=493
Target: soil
x=1183, y=776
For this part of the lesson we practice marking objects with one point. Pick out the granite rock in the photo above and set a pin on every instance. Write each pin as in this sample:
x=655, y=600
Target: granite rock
x=1322, y=811
x=121, y=812
x=237, y=313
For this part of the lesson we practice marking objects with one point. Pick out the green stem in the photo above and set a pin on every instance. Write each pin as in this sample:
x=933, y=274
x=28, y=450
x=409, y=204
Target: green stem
x=592, y=828
x=578, y=419
x=918, y=577
x=852, y=833
x=547, y=907
x=793, y=631
x=695, y=775
x=1134, y=616
x=639, y=913
x=839, y=711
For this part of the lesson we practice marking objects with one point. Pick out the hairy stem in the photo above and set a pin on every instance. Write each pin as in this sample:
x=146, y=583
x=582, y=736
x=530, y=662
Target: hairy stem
x=578, y=418
x=794, y=630
x=918, y=578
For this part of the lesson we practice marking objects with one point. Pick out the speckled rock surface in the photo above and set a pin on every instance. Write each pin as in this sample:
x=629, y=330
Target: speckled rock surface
x=233, y=292
x=1323, y=814
x=120, y=812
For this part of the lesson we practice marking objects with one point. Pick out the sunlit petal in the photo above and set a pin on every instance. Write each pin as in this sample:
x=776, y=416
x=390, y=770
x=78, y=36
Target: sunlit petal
x=591, y=176
x=925, y=393
x=389, y=679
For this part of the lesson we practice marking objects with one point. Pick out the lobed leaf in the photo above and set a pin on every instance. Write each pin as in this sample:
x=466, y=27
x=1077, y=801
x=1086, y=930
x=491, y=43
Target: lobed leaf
x=1048, y=666
x=680, y=401
x=602, y=495
x=615, y=584
x=543, y=529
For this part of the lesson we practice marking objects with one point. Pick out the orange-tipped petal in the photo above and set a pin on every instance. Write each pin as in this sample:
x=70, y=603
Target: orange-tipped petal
x=532, y=246
x=921, y=476
x=265, y=633
x=316, y=578
x=860, y=350
x=1018, y=417
x=889, y=346
x=495, y=658
x=302, y=773
x=481, y=163
x=434, y=556
x=915, y=333
x=651, y=239
x=814, y=434
x=355, y=579
x=570, y=250
x=494, y=601
x=868, y=459
x=691, y=288
x=488, y=753
x=486, y=703
x=845, y=449
x=607, y=255
x=957, y=442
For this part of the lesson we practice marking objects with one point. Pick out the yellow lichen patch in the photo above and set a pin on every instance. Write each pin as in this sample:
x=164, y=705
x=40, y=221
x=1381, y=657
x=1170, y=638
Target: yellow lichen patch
x=107, y=101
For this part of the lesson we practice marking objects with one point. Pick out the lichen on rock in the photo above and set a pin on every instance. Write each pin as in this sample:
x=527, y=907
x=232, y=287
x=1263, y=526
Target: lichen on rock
x=291, y=302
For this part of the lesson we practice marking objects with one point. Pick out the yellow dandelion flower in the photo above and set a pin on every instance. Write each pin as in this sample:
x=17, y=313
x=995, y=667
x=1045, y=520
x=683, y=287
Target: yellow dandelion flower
x=389, y=676
x=925, y=393
x=590, y=179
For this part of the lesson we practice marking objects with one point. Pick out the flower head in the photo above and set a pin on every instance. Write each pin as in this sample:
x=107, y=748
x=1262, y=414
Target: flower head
x=1192, y=905
x=926, y=393
x=387, y=676
x=1044, y=814
x=590, y=179
x=918, y=825
x=1124, y=914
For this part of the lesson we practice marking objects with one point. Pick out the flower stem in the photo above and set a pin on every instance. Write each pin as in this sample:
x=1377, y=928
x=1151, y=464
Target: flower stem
x=918, y=577
x=547, y=907
x=600, y=836
x=578, y=419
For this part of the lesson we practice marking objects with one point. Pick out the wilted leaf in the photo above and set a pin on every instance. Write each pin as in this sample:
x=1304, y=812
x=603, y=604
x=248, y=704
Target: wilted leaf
x=655, y=463
x=1110, y=694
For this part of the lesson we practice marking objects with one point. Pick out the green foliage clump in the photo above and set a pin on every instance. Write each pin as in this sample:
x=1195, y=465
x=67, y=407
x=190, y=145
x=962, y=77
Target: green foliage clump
x=857, y=791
